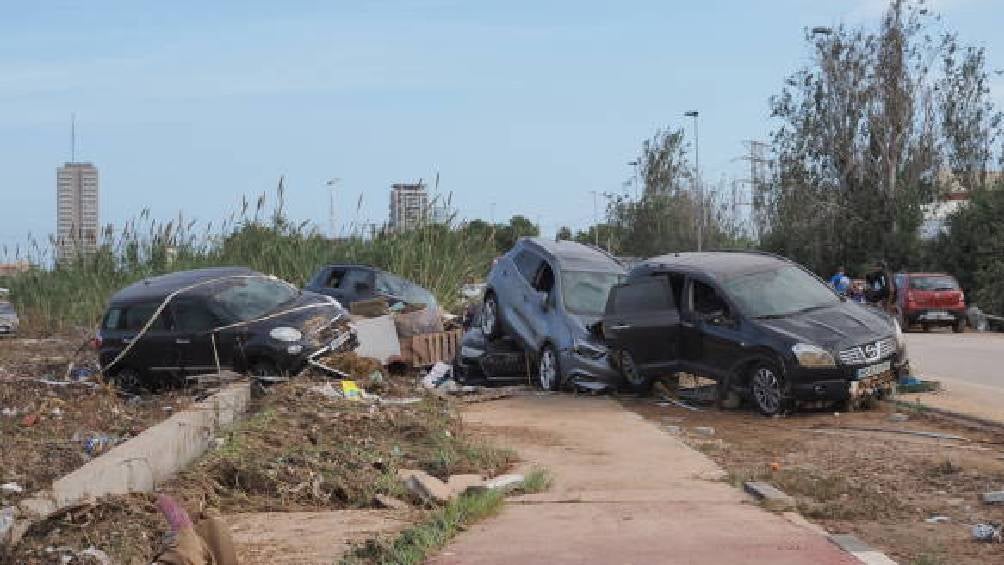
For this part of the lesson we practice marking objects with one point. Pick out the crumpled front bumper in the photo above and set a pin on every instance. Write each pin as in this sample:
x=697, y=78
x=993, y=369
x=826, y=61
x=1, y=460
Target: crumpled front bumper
x=581, y=369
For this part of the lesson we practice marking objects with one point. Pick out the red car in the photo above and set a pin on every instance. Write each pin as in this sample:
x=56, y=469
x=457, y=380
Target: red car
x=930, y=299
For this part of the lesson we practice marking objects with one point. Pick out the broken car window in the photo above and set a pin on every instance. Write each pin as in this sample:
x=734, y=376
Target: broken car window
x=193, y=316
x=353, y=277
x=249, y=298
x=779, y=293
x=527, y=263
x=586, y=293
x=335, y=278
x=545, y=278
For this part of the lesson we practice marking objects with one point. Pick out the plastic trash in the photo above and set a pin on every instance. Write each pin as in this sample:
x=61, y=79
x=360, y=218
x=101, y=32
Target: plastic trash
x=990, y=533
x=439, y=373
x=98, y=444
x=351, y=390
x=6, y=520
x=11, y=488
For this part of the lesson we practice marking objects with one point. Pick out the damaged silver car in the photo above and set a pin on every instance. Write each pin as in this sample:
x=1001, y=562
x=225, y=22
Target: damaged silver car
x=548, y=296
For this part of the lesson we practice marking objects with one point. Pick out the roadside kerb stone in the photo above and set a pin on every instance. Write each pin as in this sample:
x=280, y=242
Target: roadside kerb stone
x=996, y=497
x=142, y=462
x=859, y=549
x=459, y=484
x=425, y=486
x=772, y=498
x=505, y=483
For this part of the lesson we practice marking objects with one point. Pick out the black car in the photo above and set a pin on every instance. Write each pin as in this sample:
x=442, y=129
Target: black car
x=352, y=283
x=163, y=328
x=760, y=325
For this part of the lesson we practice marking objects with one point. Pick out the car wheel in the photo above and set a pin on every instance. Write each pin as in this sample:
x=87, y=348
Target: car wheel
x=548, y=372
x=767, y=390
x=490, y=317
x=633, y=377
x=959, y=326
x=128, y=380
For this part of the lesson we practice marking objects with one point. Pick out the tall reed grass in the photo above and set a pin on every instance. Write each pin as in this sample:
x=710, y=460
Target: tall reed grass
x=54, y=298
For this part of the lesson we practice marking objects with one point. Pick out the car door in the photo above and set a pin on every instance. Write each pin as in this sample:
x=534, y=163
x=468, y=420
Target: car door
x=194, y=323
x=642, y=318
x=714, y=337
x=539, y=303
x=152, y=351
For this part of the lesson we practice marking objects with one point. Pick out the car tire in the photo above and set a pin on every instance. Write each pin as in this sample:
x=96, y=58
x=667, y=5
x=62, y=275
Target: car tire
x=633, y=378
x=548, y=369
x=768, y=390
x=128, y=380
x=490, y=321
x=959, y=326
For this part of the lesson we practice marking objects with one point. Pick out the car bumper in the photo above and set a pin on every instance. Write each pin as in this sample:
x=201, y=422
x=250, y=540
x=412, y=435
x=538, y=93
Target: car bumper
x=936, y=316
x=843, y=382
x=578, y=368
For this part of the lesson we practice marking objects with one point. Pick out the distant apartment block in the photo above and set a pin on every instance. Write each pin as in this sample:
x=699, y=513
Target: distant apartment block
x=76, y=210
x=409, y=206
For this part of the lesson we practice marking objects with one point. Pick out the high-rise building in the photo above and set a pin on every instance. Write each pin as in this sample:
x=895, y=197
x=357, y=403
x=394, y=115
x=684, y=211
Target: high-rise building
x=409, y=206
x=76, y=210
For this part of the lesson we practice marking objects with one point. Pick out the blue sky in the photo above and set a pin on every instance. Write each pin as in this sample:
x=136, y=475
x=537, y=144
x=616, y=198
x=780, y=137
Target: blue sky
x=530, y=105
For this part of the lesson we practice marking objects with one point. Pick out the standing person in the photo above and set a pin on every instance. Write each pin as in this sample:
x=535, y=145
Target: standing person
x=880, y=290
x=840, y=282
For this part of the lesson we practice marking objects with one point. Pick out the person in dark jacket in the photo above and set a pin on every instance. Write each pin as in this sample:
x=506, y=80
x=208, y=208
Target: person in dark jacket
x=880, y=290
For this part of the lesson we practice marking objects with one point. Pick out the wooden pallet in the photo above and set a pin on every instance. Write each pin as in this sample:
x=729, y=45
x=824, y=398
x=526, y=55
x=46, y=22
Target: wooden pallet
x=428, y=349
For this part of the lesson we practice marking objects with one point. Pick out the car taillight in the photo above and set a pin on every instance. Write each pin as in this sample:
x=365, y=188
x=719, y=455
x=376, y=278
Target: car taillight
x=96, y=342
x=962, y=299
x=910, y=297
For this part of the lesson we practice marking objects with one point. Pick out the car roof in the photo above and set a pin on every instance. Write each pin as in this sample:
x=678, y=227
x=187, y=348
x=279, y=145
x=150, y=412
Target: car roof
x=156, y=288
x=927, y=275
x=351, y=266
x=575, y=256
x=717, y=264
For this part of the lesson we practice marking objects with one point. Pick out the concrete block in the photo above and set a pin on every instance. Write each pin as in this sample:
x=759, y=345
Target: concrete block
x=37, y=507
x=459, y=484
x=377, y=338
x=996, y=497
x=504, y=483
x=425, y=486
x=772, y=498
x=385, y=501
x=704, y=430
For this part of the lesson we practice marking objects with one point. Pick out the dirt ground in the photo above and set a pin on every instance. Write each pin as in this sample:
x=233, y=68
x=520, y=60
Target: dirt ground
x=50, y=426
x=878, y=485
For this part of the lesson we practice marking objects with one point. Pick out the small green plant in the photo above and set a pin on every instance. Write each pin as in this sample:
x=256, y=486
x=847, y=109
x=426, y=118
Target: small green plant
x=537, y=480
x=416, y=543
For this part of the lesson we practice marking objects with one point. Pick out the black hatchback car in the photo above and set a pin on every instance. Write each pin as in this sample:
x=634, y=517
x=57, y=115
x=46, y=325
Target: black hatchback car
x=351, y=283
x=163, y=328
x=761, y=326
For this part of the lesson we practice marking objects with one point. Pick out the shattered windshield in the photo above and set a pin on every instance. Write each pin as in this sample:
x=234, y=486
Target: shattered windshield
x=586, y=293
x=937, y=282
x=249, y=298
x=778, y=293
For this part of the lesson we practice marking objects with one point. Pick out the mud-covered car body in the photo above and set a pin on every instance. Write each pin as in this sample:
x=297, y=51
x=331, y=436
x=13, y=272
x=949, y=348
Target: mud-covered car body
x=727, y=315
x=547, y=295
x=232, y=318
x=9, y=321
x=349, y=283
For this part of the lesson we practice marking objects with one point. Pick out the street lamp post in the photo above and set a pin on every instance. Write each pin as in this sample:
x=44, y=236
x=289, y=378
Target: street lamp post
x=596, y=225
x=697, y=179
x=634, y=164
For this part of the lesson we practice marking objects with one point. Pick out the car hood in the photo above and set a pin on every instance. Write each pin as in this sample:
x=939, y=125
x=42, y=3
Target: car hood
x=299, y=313
x=834, y=328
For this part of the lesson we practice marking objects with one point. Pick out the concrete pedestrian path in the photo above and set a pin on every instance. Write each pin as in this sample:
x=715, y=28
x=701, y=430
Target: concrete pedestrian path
x=625, y=492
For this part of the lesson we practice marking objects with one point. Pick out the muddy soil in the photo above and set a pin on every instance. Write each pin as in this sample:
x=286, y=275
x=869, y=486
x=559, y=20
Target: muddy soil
x=50, y=426
x=878, y=485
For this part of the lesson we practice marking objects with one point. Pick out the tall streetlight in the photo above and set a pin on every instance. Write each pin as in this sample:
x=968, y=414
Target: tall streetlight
x=331, y=205
x=596, y=222
x=697, y=179
x=634, y=164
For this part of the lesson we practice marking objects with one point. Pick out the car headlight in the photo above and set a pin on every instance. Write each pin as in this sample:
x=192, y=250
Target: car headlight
x=809, y=355
x=589, y=350
x=286, y=333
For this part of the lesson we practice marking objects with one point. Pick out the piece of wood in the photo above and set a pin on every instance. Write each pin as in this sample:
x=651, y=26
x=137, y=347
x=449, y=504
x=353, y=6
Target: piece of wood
x=428, y=349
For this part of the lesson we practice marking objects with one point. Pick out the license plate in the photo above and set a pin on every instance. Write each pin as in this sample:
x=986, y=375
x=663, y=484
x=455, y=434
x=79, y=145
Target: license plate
x=937, y=315
x=872, y=370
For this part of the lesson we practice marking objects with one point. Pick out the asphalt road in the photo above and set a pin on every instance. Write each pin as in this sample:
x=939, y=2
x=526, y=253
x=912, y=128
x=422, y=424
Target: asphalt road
x=970, y=367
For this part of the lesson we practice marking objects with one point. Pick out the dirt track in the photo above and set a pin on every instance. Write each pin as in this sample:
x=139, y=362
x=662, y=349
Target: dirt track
x=880, y=486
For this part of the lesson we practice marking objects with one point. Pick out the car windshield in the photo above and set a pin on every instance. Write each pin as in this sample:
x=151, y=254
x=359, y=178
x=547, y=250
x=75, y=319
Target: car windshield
x=933, y=282
x=778, y=293
x=585, y=292
x=249, y=298
x=6, y=309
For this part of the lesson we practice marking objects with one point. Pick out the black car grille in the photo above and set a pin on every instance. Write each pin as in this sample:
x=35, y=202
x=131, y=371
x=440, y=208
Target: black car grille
x=868, y=352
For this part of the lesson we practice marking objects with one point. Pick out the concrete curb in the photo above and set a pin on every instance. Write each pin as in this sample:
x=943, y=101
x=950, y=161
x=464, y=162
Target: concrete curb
x=138, y=465
x=860, y=550
x=959, y=417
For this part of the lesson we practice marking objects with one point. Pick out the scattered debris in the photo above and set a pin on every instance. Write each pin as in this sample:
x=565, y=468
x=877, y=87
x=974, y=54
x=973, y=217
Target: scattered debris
x=938, y=520
x=459, y=484
x=425, y=486
x=385, y=501
x=934, y=435
x=704, y=430
x=437, y=375
x=898, y=417
x=99, y=443
x=913, y=385
x=96, y=554
x=9, y=488
x=377, y=338
x=996, y=497
x=676, y=402
x=327, y=390
x=990, y=533
x=400, y=401
x=674, y=429
x=772, y=498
